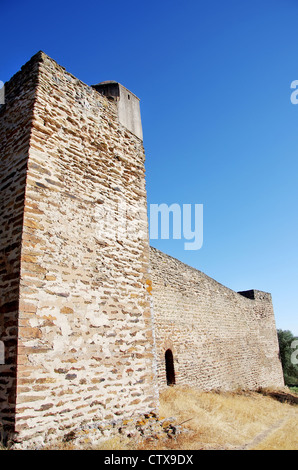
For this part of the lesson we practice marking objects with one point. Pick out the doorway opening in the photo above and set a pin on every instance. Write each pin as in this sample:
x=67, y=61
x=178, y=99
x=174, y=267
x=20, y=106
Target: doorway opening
x=170, y=370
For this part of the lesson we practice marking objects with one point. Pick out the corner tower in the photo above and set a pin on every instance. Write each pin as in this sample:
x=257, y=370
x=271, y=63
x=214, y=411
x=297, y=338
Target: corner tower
x=75, y=312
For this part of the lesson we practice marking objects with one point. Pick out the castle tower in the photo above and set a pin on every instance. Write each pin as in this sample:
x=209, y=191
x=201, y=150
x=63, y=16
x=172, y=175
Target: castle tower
x=76, y=330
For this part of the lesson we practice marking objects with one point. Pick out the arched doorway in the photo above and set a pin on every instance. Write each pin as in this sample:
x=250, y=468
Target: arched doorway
x=170, y=370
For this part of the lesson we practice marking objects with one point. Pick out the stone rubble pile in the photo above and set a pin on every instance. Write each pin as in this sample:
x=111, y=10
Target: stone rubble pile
x=145, y=427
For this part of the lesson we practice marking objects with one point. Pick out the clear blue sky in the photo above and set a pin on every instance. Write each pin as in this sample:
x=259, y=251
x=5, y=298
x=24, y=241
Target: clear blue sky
x=219, y=127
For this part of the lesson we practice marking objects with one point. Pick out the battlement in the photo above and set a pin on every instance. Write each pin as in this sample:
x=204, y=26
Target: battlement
x=128, y=105
x=254, y=294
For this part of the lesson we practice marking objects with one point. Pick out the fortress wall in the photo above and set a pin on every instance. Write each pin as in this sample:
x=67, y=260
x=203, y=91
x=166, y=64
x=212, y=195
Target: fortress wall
x=78, y=280
x=15, y=128
x=219, y=338
x=85, y=350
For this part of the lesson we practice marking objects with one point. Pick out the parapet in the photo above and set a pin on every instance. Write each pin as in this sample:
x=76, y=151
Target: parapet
x=129, y=113
x=254, y=294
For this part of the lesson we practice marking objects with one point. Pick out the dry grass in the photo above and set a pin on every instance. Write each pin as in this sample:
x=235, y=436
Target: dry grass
x=285, y=438
x=228, y=420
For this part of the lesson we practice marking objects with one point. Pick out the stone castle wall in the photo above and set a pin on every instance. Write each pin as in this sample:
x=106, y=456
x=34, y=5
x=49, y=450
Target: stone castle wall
x=219, y=338
x=85, y=337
